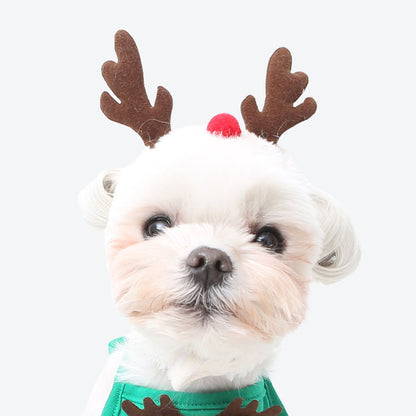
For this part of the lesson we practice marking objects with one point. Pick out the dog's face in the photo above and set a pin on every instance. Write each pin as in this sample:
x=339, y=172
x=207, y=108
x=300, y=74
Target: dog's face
x=213, y=235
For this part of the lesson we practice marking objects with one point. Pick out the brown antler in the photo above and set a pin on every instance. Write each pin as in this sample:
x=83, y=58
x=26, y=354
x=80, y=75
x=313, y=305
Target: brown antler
x=166, y=408
x=282, y=89
x=235, y=409
x=125, y=79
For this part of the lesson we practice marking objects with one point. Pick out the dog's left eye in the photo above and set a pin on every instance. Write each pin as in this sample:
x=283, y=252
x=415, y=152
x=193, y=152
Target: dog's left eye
x=270, y=238
x=155, y=225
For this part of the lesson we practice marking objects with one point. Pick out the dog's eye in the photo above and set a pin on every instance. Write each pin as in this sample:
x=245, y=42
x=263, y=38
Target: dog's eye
x=155, y=225
x=270, y=238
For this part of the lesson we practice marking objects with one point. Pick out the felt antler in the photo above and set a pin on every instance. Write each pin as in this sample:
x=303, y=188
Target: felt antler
x=235, y=409
x=282, y=89
x=166, y=408
x=125, y=79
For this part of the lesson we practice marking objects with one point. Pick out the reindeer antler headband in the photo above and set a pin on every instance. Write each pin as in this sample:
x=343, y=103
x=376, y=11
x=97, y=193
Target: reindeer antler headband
x=125, y=79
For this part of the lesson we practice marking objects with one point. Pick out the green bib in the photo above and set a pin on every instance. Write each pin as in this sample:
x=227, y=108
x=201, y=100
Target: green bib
x=191, y=404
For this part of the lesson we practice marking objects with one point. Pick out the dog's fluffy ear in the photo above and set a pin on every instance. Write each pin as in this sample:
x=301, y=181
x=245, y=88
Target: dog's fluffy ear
x=340, y=253
x=96, y=198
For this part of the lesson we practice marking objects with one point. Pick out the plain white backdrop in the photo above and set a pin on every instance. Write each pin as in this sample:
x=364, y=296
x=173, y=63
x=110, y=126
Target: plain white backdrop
x=355, y=353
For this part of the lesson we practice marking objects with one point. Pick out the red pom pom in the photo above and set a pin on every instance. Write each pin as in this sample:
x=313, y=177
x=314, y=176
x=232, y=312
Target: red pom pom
x=224, y=124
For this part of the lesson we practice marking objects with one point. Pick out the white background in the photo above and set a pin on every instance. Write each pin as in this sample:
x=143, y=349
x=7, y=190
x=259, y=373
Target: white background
x=354, y=355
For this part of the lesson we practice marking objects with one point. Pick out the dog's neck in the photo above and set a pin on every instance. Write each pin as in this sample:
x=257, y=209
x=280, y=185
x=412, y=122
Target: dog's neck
x=159, y=362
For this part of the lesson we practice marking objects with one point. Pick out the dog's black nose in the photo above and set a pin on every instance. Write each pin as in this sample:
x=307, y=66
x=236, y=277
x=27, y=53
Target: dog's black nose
x=209, y=266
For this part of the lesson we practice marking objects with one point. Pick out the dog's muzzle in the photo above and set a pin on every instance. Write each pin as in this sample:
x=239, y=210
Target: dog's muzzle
x=209, y=266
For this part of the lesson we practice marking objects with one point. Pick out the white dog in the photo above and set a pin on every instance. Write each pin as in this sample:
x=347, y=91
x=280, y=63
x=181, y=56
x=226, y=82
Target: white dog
x=212, y=240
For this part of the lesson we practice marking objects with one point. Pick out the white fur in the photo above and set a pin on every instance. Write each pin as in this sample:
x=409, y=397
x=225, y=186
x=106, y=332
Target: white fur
x=164, y=362
x=340, y=252
x=96, y=198
x=217, y=192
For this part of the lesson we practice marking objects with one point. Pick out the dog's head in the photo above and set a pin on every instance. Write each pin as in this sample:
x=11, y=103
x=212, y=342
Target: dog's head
x=212, y=237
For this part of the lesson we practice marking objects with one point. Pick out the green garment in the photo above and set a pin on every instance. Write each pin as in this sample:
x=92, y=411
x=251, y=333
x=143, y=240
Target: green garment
x=190, y=404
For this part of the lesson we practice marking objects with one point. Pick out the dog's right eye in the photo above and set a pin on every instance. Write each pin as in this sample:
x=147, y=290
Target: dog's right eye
x=156, y=225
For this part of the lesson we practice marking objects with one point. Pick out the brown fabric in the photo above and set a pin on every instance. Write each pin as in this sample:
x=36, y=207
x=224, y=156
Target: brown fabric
x=125, y=79
x=235, y=409
x=282, y=89
x=167, y=408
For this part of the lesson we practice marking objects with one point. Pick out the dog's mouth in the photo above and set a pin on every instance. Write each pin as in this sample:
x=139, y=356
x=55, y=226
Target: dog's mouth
x=205, y=303
x=202, y=309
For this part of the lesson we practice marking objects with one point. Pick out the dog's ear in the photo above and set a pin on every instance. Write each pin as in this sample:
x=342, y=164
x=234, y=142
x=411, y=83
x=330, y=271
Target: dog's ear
x=96, y=198
x=340, y=252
